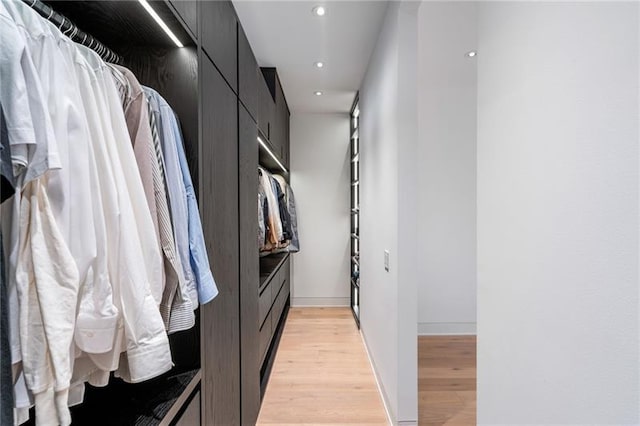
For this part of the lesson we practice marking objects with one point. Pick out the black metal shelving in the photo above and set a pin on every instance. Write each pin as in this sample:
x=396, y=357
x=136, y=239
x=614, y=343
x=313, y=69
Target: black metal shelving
x=355, y=211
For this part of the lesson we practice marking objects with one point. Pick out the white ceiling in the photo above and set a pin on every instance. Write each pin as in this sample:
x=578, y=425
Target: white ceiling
x=286, y=35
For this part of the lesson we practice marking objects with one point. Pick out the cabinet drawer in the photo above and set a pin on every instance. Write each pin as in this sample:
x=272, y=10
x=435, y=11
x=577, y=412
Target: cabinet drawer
x=265, y=337
x=279, y=303
x=264, y=304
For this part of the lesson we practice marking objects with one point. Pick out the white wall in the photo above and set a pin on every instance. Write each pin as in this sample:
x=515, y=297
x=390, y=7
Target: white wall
x=320, y=178
x=447, y=173
x=558, y=213
x=387, y=132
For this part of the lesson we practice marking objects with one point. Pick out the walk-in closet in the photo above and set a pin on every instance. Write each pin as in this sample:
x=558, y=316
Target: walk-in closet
x=319, y=212
x=233, y=120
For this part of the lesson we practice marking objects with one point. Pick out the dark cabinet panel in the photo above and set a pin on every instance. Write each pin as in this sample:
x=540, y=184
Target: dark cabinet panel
x=247, y=75
x=188, y=11
x=279, y=116
x=249, y=267
x=219, y=38
x=266, y=107
x=281, y=124
x=220, y=215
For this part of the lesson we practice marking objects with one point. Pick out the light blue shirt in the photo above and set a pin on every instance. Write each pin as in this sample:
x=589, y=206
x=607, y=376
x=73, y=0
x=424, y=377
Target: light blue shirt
x=183, y=204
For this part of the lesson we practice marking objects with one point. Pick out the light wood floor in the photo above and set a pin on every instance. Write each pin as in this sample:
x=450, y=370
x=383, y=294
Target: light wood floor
x=447, y=380
x=321, y=374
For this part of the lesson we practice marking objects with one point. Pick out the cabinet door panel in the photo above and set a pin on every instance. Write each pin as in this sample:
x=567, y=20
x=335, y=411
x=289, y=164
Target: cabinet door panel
x=267, y=107
x=219, y=208
x=188, y=11
x=219, y=38
x=249, y=267
x=248, y=75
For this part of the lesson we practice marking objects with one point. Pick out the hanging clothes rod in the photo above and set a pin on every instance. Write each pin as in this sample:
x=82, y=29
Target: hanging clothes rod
x=69, y=29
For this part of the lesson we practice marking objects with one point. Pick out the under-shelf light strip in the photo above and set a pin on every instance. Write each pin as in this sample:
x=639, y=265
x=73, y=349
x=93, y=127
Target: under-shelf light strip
x=160, y=22
x=264, y=145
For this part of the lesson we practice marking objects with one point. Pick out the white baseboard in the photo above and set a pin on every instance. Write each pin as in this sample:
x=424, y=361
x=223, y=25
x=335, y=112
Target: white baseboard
x=320, y=302
x=447, y=328
x=381, y=391
x=408, y=423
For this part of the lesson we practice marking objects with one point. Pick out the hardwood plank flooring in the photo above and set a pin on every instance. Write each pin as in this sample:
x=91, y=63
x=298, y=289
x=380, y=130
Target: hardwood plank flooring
x=447, y=380
x=321, y=373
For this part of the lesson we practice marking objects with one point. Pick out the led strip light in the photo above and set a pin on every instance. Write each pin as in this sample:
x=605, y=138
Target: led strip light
x=160, y=22
x=264, y=145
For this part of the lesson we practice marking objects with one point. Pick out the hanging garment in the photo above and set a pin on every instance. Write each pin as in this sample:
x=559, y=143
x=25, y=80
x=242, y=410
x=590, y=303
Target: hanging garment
x=191, y=245
x=275, y=225
x=284, y=210
x=137, y=262
x=177, y=313
x=137, y=119
x=262, y=219
x=294, y=246
x=175, y=299
x=6, y=378
x=97, y=314
x=175, y=189
x=50, y=383
x=207, y=289
x=47, y=280
x=29, y=148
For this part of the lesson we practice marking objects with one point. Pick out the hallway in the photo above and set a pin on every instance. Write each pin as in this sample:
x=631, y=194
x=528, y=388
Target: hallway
x=321, y=374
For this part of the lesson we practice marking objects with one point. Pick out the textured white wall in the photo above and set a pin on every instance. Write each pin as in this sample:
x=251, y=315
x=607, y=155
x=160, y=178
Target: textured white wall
x=388, y=132
x=446, y=177
x=320, y=178
x=558, y=213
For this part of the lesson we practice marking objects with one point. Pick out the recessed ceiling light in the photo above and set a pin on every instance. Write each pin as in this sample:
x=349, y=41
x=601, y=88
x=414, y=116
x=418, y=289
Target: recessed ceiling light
x=472, y=53
x=319, y=64
x=318, y=11
x=318, y=93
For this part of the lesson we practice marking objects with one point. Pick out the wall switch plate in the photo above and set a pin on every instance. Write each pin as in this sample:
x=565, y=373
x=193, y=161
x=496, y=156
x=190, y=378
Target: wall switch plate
x=386, y=260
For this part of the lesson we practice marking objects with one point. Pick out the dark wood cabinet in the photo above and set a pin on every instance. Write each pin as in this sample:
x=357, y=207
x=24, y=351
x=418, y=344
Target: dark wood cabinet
x=249, y=267
x=247, y=75
x=220, y=217
x=188, y=11
x=220, y=38
x=266, y=107
x=281, y=127
x=223, y=101
x=279, y=119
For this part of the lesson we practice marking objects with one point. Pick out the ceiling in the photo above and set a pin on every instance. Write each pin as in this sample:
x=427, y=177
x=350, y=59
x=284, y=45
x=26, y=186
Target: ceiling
x=288, y=36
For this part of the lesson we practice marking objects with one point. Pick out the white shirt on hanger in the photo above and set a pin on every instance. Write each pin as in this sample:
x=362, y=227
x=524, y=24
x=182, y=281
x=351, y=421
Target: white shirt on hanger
x=137, y=262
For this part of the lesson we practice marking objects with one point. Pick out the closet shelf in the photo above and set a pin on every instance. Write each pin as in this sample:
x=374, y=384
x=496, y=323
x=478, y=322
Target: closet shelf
x=154, y=402
x=269, y=265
